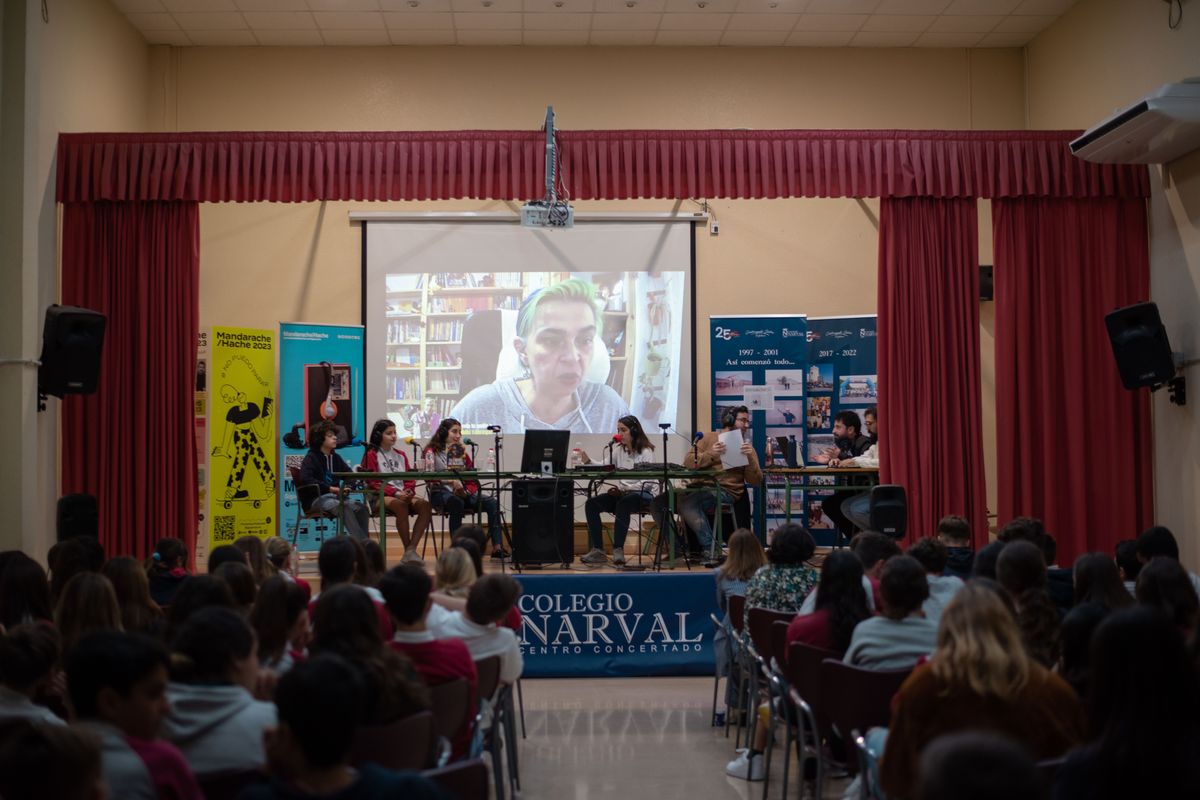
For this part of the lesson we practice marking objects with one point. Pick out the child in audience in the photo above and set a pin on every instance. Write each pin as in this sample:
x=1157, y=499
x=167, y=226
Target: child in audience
x=280, y=621
x=87, y=603
x=978, y=765
x=195, y=593
x=241, y=582
x=979, y=677
x=783, y=583
x=1098, y=581
x=1165, y=585
x=1159, y=542
x=934, y=556
x=406, y=589
x=488, y=603
x=1128, y=564
x=256, y=555
x=52, y=761
x=345, y=623
x=320, y=703
x=29, y=655
x=139, y=612
x=454, y=572
x=955, y=532
x=1144, y=705
x=1021, y=570
x=167, y=570
x=214, y=718
x=902, y=634
x=338, y=564
x=841, y=606
x=24, y=592
x=280, y=554
x=1074, y=664
x=117, y=682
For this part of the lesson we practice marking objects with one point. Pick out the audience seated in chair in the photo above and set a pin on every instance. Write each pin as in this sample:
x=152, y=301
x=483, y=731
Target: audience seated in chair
x=338, y=563
x=787, y=578
x=44, y=760
x=955, y=532
x=873, y=551
x=406, y=589
x=29, y=654
x=320, y=704
x=214, y=717
x=901, y=635
x=167, y=570
x=1098, y=581
x=488, y=603
x=841, y=605
x=1144, y=708
x=117, y=683
x=1164, y=584
x=979, y=677
x=281, y=624
x=933, y=556
x=1159, y=542
x=978, y=765
x=1022, y=571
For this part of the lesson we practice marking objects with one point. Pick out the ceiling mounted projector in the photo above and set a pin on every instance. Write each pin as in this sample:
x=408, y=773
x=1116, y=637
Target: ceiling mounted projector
x=1155, y=130
x=549, y=212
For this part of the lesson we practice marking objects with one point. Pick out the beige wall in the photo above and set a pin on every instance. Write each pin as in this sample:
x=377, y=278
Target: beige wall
x=82, y=69
x=1100, y=56
x=822, y=253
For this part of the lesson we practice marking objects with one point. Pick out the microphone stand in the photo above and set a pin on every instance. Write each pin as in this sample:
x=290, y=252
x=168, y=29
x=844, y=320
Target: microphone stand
x=668, y=527
x=416, y=446
x=504, y=531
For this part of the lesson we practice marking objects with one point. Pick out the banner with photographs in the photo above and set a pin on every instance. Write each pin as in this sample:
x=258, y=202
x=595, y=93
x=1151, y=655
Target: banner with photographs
x=758, y=362
x=320, y=377
x=840, y=376
x=241, y=422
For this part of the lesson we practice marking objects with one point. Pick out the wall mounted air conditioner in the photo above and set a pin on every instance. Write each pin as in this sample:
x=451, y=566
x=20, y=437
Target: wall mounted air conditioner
x=1154, y=130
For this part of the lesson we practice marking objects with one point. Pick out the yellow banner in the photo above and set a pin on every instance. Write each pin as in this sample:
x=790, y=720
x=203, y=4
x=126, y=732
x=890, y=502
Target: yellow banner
x=242, y=462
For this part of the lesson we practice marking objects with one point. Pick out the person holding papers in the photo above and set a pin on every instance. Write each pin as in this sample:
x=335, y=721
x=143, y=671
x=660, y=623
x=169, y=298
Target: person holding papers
x=727, y=448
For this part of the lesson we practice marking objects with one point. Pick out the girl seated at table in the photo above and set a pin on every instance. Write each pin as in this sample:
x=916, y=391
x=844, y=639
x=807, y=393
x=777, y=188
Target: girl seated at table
x=454, y=497
x=400, y=497
x=623, y=498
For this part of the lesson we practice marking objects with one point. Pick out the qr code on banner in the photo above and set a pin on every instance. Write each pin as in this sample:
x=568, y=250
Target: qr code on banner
x=224, y=528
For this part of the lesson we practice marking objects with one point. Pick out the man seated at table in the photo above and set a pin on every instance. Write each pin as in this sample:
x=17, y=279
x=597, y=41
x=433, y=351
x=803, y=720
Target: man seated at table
x=853, y=450
x=697, y=504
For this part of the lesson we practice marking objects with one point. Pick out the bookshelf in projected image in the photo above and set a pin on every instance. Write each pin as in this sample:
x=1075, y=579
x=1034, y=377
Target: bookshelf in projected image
x=425, y=318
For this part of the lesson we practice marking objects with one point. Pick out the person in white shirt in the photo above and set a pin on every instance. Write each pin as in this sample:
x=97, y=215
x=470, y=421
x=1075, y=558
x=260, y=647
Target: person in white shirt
x=933, y=556
x=490, y=600
x=621, y=498
x=29, y=654
x=857, y=508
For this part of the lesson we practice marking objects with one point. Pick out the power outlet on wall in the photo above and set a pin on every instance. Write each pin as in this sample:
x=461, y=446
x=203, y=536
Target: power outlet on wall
x=714, y=227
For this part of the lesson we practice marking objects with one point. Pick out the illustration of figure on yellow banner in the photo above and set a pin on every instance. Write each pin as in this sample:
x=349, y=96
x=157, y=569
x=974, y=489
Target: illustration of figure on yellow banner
x=247, y=427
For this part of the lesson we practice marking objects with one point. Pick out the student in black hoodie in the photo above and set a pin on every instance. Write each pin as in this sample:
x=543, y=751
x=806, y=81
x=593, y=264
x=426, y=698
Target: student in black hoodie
x=955, y=532
x=317, y=470
x=849, y=442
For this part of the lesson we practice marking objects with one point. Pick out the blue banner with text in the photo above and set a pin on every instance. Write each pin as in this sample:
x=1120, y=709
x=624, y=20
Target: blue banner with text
x=617, y=625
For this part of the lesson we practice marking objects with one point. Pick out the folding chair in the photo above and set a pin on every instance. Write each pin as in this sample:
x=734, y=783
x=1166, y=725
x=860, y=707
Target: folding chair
x=451, y=712
x=407, y=743
x=858, y=699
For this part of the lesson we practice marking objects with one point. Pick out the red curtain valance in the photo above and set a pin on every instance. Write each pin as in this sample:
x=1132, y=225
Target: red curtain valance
x=509, y=165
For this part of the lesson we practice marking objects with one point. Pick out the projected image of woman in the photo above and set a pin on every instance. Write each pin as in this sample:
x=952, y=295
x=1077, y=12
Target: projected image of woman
x=557, y=333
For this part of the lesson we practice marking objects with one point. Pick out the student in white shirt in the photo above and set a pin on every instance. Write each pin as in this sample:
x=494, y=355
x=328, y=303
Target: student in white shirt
x=489, y=602
x=621, y=498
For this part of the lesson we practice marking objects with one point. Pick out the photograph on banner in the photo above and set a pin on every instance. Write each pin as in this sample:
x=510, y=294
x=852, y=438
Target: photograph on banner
x=591, y=319
x=820, y=413
x=320, y=378
x=786, y=412
x=816, y=514
x=787, y=382
x=728, y=383
x=242, y=463
x=818, y=444
x=758, y=398
x=820, y=378
x=858, y=390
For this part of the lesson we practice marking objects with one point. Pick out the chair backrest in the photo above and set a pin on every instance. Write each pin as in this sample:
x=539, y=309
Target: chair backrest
x=404, y=744
x=779, y=629
x=858, y=699
x=759, y=621
x=451, y=706
x=737, y=611
x=465, y=780
x=803, y=671
x=489, y=676
x=305, y=494
x=228, y=785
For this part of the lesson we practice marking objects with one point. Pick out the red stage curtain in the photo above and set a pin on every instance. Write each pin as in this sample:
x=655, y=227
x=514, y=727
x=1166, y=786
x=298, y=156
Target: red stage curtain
x=929, y=380
x=132, y=443
x=1074, y=447
x=509, y=165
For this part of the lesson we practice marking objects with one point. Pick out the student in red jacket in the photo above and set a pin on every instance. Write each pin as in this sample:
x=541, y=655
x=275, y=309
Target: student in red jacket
x=400, y=497
x=406, y=591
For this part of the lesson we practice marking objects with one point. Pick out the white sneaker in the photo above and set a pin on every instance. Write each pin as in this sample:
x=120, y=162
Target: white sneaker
x=595, y=556
x=747, y=768
x=618, y=558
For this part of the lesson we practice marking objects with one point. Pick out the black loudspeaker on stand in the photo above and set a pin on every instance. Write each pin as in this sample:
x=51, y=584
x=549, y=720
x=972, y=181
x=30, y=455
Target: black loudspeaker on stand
x=543, y=521
x=78, y=515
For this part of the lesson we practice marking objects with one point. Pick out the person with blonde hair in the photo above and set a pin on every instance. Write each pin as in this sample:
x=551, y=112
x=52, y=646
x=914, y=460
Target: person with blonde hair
x=744, y=558
x=979, y=678
x=454, y=572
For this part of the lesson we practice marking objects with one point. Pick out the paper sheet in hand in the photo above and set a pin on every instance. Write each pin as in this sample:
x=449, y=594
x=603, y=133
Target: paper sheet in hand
x=733, y=450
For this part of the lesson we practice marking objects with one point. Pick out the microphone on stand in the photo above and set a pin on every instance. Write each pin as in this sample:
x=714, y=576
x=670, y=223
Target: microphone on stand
x=474, y=447
x=416, y=446
x=615, y=440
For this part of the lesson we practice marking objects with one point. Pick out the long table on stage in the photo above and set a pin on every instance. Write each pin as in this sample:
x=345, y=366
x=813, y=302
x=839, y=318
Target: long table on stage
x=800, y=479
x=350, y=482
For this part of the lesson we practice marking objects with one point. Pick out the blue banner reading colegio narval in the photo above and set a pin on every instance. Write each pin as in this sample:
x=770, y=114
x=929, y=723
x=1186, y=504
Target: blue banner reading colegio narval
x=320, y=375
x=617, y=625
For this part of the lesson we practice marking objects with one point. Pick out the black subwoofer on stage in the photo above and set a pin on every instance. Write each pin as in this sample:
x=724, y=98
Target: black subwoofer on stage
x=889, y=510
x=1140, y=345
x=543, y=529
x=72, y=339
x=78, y=515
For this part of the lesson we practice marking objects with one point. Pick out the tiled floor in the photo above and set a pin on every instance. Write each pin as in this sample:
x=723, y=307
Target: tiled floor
x=632, y=739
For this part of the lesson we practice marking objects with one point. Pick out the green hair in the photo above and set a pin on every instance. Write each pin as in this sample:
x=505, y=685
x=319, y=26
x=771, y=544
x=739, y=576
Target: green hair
x=572, y=290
